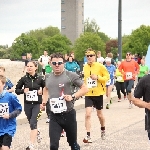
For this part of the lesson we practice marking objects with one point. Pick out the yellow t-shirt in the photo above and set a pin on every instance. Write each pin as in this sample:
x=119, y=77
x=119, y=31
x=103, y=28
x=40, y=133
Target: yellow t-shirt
x=96, y=87
x=119, y=76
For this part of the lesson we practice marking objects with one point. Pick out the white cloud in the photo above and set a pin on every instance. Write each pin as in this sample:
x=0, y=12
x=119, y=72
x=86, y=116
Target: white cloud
x=18, y=16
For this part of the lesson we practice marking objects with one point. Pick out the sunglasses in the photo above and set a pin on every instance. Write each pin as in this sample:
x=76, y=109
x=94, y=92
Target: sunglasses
x=55, y=63
x=90, y=55
x=128, y=54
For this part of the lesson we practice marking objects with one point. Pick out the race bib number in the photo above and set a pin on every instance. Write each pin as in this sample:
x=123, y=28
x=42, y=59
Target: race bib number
x=108, y=82
x=91, y=83
x=128, y=75
x=57, y=105
x=32, y=96
x=4, y=109
x=119, y=78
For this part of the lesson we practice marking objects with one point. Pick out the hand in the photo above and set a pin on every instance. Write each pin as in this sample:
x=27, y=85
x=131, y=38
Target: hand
x=42, y=107
x=68, y=97
x=6, y=116
x=40, y=91
x=26, y=90
x=93, y=77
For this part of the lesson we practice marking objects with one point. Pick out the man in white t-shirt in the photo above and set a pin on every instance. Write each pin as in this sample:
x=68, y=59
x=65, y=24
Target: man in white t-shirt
x=43, y=61
x=100, y=59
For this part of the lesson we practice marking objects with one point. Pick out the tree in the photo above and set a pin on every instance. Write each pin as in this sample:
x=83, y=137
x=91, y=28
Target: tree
x=57, y=43
x=91, y=26
x=103, y=36
x=88, y=40
x=138, y=40
x=25, y=44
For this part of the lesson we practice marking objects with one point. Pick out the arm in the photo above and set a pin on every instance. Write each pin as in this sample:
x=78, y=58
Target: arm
x=19, y=86
x=39, y=61
x=137, y=68
x=10, y=86
x=105, y=75
x=17, y=107
x=45, y=95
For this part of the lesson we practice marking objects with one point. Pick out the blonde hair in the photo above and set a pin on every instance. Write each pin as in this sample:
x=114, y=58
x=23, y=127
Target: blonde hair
x=110, y=55
x=2, y=68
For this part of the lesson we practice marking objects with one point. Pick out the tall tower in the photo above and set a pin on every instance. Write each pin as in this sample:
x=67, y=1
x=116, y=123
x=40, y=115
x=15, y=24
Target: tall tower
x=72, y=18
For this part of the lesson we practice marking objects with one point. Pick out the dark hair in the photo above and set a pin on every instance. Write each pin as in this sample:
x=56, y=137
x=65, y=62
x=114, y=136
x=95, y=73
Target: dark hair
x=57, y=55
x=71, y=57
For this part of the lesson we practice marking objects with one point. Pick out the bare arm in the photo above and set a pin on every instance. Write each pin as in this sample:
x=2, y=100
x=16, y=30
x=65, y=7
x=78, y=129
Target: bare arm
x=141, y=104
x=82, y=91
x=45, y=95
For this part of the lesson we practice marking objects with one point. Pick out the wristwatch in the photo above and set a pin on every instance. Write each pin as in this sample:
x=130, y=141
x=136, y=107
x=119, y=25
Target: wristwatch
x=73, y=97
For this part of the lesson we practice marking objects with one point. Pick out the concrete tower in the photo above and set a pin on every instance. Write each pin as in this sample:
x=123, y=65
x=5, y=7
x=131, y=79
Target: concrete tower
x=72, y=18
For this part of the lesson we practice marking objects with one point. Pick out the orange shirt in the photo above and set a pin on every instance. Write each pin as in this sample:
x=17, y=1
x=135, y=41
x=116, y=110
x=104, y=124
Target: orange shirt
x=129, y=69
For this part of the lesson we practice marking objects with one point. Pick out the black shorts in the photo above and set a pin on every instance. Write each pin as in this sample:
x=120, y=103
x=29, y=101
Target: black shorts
x=43, y=71
x=5, y=140
x=95, y=101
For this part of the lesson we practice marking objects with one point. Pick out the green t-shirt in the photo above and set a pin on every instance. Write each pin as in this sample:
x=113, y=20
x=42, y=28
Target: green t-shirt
x=48, y=69
x=142, y=71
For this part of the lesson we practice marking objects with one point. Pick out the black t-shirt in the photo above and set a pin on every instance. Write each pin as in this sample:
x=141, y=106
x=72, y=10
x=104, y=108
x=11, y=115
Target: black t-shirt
x=143, y=90
x=26, y=61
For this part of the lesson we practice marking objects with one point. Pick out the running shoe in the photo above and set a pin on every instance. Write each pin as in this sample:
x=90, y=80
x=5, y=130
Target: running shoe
x=31, y=147
x=125, y=98
x=130, y=105
x=63, y=134
x=107, y=106
x=48, y=120
x=38, y=136
x=119, y=100
x=103, y=134
x=111, y=101
x=87, y=139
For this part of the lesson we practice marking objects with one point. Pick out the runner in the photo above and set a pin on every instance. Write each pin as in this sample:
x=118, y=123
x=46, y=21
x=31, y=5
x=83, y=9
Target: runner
x=120, y=83
x=59, y=86
x=143, y=69
x=29, y=58
x=110, y=83
x=100, y=59
x=43, y=61
x=95, y=76
x=129, y=68
x=8, y=85
x=142, y=90
x=32, y=91
x=9, y=110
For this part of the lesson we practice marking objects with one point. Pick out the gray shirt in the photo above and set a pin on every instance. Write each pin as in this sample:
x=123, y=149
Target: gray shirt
x=64, y=83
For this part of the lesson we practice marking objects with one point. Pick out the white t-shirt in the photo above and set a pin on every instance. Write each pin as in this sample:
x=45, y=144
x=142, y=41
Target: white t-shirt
x=45, y=60
x=100, y=60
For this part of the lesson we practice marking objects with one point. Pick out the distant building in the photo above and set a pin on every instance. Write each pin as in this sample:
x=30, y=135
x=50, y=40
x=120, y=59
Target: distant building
x=72, y=18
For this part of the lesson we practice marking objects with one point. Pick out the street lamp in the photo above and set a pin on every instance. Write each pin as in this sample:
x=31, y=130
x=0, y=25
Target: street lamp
x=120, y=30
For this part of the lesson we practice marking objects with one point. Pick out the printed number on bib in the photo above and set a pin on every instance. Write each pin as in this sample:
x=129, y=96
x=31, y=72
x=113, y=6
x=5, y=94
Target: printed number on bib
x=57, y=105
x=119, y=78
x=32, y=96
x=91, y=83
x=128, y=75
x=4, y=109
x=108, y=82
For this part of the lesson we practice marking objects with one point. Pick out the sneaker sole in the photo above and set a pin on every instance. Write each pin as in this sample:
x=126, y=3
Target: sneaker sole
x=86, y=141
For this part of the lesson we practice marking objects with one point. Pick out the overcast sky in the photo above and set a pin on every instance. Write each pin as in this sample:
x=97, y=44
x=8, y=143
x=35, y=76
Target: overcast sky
x=18, y=16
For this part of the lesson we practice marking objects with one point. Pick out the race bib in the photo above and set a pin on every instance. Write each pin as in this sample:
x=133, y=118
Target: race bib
x=128, y=75
x=108, y=82
x=32, y=96
x=4, y=109
x=57, y=105
x=119, y=78
x=91, y=83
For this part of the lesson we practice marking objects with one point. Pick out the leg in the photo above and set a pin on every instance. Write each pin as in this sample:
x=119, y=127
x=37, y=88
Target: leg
x=88, y=109
x=33, y=122
x=98, y=100
x=71, y=130
x=123, y=89
x=55, y=130
x=129, y=87
x=109, y=95
x=7, y=139
x=118, y=88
